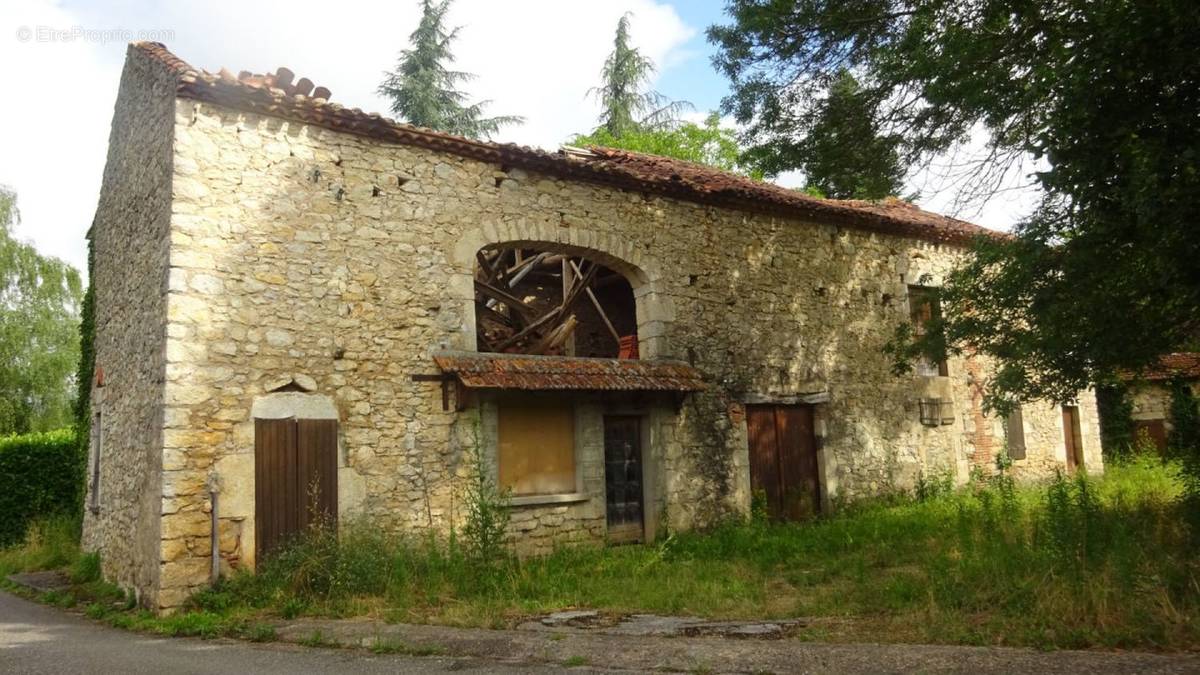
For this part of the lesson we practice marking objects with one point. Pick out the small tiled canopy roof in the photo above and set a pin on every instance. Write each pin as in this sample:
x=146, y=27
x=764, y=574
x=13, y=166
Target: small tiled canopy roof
x=478, y=370
x=276, y=95
x=1185, y=365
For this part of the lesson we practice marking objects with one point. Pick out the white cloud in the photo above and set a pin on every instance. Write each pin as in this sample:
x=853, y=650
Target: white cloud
x=535, y=58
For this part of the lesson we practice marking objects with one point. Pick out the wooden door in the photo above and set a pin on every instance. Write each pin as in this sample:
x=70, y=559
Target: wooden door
x=783, y=459
x=623, y=478
x=1154, y=430
x=295, y=479
x=1072, y=437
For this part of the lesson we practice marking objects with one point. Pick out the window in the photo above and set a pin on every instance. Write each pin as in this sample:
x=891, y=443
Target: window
x=537, y=448
x=97, y=439
x=924, y=308
x=1014, y=434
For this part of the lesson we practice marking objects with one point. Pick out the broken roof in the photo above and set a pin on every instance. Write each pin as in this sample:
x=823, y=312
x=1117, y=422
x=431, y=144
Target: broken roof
x=479, y=370
x=275, y=95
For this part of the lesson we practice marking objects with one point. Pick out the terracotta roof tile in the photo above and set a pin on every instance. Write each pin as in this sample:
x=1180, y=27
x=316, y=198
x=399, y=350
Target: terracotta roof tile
x=479, y=370
x=275, y=95
x=1179, y=364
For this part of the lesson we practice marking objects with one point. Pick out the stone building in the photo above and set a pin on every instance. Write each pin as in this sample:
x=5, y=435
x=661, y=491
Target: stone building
x=305, y=310
x=1150, y=394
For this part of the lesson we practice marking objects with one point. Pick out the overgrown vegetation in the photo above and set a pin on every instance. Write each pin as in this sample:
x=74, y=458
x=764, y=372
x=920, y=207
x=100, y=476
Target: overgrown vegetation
x=39, y=476
x=1076, y=563
x=1117, y=430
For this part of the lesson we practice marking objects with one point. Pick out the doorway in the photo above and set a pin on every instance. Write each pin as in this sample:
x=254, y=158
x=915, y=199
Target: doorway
x=624, y=505
x=1072, y=437
x=783, y=460
x=295, y=479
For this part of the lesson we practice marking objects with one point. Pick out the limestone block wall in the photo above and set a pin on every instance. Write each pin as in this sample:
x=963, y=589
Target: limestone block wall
x=1152, y=400
x=301, y=252
x=130, y=236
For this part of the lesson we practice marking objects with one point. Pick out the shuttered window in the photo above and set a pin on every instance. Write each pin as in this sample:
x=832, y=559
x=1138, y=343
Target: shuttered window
x=536, y=448
x=97, y=439
x=923, y=308
x=1014, y=434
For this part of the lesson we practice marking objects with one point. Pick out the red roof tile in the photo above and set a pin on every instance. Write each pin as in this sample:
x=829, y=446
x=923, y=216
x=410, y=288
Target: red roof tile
x=275, y=95
x=1179, y=364
x=479, y=370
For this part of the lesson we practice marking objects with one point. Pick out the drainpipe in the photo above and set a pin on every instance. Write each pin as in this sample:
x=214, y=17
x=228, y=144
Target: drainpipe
x=214, y=490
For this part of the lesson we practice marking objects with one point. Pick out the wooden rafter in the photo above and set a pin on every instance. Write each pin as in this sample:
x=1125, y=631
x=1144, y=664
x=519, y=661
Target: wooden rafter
x=596, y=303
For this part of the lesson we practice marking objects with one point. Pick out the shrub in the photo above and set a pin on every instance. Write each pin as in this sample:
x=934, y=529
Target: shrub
x=485, y=532
x=39, y=477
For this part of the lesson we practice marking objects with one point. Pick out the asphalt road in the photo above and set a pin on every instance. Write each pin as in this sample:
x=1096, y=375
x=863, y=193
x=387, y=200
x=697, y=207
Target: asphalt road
x=39, y=639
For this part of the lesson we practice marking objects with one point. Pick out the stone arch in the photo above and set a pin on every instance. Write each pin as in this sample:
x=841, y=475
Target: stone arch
x=655, y=311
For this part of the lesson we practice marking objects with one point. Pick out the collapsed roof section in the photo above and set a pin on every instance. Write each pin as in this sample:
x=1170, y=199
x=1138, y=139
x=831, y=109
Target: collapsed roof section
x=275, y=96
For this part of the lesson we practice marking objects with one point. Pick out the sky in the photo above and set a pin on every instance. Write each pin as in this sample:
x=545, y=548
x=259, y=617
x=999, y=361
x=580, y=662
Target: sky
x=535, y=58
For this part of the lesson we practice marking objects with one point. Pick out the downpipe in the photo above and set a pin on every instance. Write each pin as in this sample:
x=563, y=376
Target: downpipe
x=214, y=491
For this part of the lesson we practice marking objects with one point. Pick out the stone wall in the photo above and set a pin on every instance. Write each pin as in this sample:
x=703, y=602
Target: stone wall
x=131, y=236
x=1152, y=400
x=298, y=252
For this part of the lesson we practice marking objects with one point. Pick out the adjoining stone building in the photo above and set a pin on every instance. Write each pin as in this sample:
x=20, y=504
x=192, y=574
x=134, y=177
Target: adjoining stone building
x=295, y=303
x=1150, y=395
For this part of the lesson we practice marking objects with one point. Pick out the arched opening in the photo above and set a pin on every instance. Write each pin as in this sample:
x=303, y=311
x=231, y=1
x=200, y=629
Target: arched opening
x=531, y=300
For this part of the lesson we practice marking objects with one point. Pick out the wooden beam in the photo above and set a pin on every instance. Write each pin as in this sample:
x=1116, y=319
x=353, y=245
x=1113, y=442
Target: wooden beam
x=537, y=323
x=611, y=329
x=489, y=272
x=556, y=337
x=512, y=301
x=568, y=285
x=524, y=269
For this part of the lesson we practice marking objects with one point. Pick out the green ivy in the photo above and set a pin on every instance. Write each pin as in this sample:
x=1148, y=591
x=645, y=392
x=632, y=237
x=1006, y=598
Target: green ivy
x=1116, y=419
x=83, y=379
x=38, y=477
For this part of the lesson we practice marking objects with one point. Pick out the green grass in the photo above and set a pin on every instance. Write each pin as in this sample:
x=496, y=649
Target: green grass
x=1077, y=563
x=51, y=543
x=1106, y=563
x=318, y=639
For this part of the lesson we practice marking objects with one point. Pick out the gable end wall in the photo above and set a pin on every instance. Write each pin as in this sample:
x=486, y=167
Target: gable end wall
x=130, y=236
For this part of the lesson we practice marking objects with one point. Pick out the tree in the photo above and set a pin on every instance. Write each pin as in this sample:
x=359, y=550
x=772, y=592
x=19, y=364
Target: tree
x=628, y=103
x=423, y=90
x=844, y=155
x=39, y=347
x=708, y=143
x=1102, y=276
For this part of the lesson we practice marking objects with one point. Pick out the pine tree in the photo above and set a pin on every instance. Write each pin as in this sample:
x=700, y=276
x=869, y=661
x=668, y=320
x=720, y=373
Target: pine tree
x=628, y=103
x=423, y=90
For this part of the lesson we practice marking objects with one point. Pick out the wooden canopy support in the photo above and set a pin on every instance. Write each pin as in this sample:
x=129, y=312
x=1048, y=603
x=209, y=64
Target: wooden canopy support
x=447, y=380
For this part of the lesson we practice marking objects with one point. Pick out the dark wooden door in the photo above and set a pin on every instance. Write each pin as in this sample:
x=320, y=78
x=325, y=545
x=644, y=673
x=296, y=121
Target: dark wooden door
x=1153, y=430
x=295, y=479
x=1072, y=437
x=623, y=478
x=783, y=459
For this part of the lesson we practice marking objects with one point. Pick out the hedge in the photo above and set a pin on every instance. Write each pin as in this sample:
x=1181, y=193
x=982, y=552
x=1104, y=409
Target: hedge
x=39, y=476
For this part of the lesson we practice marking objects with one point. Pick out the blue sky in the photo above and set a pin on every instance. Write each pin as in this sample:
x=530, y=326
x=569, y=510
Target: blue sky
x=694, y=78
